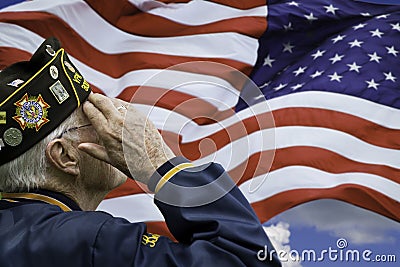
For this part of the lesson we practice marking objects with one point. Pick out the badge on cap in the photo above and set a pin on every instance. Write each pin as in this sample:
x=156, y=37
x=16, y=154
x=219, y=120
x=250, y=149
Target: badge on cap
x=3, y=117
x=69, y=66
x=59, y=92
x=31, y=112
x=54, y=72
x=50, y=50
x=16, y=83
x=12, y=137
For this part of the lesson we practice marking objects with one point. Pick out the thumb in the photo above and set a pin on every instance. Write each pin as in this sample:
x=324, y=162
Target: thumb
x=95, y=150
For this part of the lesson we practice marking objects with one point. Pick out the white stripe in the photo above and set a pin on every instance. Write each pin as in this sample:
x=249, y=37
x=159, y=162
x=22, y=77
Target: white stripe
x=209, y=88
x=83, y=20
x=135, y=208
x=368, y=110
x=236, y=152
x=299, y=177
x=257, y=189
x=188, y=13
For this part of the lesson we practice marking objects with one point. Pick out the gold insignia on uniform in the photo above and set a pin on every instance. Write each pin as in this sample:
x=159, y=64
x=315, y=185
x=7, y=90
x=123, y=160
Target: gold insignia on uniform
x=59, y=92
x=150, y=239
x=3, y=117
x=31, y=112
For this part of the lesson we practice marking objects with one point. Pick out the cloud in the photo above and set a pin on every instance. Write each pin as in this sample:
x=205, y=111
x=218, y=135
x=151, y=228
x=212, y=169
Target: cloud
x=342, y=220
x=279, y=235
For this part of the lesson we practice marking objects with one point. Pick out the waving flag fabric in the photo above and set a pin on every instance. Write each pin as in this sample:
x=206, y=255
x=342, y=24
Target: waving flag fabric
x=327, y=69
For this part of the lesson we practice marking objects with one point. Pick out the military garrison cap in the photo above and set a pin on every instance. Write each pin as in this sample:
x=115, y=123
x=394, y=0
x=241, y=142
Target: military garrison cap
x=36, y=96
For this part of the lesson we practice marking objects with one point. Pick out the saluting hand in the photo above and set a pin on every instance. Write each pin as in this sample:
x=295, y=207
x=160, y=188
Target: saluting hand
x=130, y=142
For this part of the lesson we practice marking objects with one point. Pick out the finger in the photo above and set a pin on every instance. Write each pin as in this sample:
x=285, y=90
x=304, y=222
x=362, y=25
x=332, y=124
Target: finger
x=95, y=150
x=104, y=104
x=96, y=118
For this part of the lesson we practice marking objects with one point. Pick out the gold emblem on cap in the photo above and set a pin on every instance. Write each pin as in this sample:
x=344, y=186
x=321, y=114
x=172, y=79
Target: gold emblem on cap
x=3, y=117
x=31, y=112
x=69, y=66
x=12, y=137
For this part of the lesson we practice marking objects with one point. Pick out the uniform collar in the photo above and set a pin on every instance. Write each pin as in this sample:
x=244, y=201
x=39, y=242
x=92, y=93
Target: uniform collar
x=44, y=196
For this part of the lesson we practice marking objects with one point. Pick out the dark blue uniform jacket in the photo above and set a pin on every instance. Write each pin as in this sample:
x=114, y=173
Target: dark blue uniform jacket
x=221, y=232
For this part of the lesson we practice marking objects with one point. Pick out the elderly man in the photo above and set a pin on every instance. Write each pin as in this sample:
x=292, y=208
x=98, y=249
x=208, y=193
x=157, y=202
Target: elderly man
x=62, y=151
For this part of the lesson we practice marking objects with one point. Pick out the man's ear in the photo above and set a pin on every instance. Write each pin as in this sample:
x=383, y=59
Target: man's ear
x=63, y=156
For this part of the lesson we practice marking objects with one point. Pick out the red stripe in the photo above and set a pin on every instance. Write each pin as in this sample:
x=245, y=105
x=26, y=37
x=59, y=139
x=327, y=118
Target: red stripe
x=352, y=193
x=124, y=16
x=267, y=161
x=13, y=55
x=325, y=160
x=240, y=4
x=47, y=25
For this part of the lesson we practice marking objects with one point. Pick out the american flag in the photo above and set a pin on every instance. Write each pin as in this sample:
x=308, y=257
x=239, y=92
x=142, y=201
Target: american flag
x=326, y=71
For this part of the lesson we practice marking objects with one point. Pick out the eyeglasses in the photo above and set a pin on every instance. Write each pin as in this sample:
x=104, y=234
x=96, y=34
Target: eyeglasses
x=73, y=129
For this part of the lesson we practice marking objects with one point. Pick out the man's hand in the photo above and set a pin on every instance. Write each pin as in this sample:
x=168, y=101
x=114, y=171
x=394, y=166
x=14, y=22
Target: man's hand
x=131, y=143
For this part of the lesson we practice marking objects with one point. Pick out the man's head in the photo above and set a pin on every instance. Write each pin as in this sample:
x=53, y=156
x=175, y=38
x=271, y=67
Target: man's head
x=40, y=126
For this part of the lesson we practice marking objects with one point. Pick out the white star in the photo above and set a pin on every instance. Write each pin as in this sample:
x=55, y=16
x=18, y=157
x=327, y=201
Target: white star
x=383, y=16
x=288, y=27
x=389, y=76
x=365, y=14
x=297, y=86
x=338, y=38
x=392, y=51
x=336, y=58
x=372, y=84
x=264, y=85
x=299, y=71
x=396, y=26
x=331, y=9
x=310, y=17
x=355, y=43
x=376, y=33
x=268, y=61
x=359, y=26
x=335, y=77
x=354, y=67
x=288, y=48
x=318, y=54
x=293, y=3
x=280, y=86
x=316, y=74
x=374, y=57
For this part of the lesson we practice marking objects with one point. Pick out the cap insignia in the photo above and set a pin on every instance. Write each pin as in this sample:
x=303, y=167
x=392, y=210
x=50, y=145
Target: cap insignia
x=31, y=112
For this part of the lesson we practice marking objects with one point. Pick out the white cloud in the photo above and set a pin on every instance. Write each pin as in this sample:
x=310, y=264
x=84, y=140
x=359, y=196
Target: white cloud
x=279, y=235
x=342, y=220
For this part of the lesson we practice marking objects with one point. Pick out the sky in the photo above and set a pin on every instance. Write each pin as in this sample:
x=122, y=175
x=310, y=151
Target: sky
x=321, y=224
